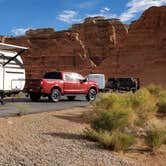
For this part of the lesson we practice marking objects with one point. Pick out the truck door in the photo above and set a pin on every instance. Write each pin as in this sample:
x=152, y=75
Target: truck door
x=81, y=85
x=70, y=84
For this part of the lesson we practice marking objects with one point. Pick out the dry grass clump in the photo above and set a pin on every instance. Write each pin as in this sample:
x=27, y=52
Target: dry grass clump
x=160, y=94
x=155, y=137
x=117, y=117
x=22, y=109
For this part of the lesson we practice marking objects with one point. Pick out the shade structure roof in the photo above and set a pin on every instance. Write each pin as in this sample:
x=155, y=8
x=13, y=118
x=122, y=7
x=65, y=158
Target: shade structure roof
x=4, y=46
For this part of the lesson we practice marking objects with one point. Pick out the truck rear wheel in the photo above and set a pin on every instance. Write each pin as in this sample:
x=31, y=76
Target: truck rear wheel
x=91, y=96
x=55, y=95
x=71, y=98
x=34, y=96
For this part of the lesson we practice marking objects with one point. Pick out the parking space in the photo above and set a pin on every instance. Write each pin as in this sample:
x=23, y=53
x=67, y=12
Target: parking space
x=14, y=106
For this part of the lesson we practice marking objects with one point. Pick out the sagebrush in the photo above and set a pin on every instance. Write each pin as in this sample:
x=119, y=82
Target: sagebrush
x=117, y=116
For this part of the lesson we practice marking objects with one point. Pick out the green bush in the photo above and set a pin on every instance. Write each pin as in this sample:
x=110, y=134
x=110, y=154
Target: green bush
x=117, y=117
x=91, y=134
x=144, y=104
x=160, y=94
x=112, y=111
x=115, y=140
x=122, y=141
x=111, y=119
x=155, y=137
x=162, y=103
x=154, y=90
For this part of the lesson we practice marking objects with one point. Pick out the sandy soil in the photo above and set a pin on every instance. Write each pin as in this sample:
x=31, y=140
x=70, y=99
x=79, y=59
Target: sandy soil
x=56, y=138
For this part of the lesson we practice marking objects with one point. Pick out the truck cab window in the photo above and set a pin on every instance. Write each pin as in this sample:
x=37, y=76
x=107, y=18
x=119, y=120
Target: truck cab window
x=68, y=77
x=53, y=75
x=77, y=77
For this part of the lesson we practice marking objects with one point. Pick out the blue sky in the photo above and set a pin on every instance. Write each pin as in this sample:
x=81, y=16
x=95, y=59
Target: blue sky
x=17, y=16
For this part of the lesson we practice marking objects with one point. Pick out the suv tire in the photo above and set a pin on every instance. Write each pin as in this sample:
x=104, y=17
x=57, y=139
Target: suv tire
x=91, y=96
x=55, y=95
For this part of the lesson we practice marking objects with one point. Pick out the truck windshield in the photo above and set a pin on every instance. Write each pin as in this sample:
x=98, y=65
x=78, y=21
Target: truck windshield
x=53, y=75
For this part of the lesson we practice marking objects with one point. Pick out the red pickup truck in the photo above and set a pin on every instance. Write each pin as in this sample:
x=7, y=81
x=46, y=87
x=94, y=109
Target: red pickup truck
x=55, y=84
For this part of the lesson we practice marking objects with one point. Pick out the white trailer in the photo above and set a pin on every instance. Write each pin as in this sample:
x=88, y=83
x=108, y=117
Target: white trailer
x=12, y=72
x=99, y=79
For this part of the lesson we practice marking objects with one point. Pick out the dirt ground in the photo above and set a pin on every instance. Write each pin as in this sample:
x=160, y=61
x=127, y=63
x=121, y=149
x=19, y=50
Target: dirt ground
x=56, y=138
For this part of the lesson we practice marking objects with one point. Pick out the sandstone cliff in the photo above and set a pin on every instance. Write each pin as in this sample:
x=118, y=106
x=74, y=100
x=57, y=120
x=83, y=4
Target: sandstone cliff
x=80, y=49
x=51, y=51
x=143, y=54
x=101, y=37
x=101, y=45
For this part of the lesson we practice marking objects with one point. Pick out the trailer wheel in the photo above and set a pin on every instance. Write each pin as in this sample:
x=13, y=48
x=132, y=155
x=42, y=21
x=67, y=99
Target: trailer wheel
x=91, y=96
x=55, y=95
x=35, y=96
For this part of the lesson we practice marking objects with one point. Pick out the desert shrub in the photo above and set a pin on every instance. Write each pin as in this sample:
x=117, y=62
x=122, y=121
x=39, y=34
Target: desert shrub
x=155, y=137
x=113, y=111
x=121, y=140
x=115, y=140
x=144, y=104
x=22, y=109
x=154, y=90
x=162, y=103
x=116, y=118
x=91, y=134
x=112, y=100
x=160, y=94
x=111, y=119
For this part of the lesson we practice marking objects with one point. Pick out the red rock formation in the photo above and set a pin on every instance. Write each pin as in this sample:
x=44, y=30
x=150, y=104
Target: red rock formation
x=101, y=37
x=50, y=51
x=79, y=49
x=101, y=45
x=143, y=54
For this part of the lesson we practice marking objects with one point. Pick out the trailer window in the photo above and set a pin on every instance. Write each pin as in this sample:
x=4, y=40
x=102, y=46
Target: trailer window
x=53, y=75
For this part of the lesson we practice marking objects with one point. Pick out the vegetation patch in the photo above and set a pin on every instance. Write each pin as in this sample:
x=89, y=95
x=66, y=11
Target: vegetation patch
x=118, y=117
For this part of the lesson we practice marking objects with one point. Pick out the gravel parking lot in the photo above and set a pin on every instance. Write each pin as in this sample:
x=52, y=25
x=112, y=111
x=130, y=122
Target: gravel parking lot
x=52, y=139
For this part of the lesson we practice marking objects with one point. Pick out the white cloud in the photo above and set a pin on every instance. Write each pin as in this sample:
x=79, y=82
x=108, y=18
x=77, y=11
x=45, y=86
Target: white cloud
x=69, y=16
x=136, y=6
x=104, y=10
x=19, y=31
x=133, y=7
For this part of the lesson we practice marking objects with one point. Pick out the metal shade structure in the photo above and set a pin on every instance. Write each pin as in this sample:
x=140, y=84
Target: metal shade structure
x=4, y=46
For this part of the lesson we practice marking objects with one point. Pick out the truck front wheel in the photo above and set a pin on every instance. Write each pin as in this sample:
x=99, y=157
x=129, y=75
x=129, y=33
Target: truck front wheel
x=91, y=96
x=55, y=95
x=34, y=96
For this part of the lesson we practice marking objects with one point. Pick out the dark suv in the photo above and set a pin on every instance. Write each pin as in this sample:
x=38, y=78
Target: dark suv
x=126, y=84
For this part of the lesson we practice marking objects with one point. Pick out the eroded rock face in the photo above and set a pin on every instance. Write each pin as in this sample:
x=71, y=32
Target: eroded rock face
x=101, y=37
x=80, y=49
x=102, y=46
x=143, y=54
x=51, y=51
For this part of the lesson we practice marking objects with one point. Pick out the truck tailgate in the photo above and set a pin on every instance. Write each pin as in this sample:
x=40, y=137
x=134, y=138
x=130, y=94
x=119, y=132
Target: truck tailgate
x=32, y=85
